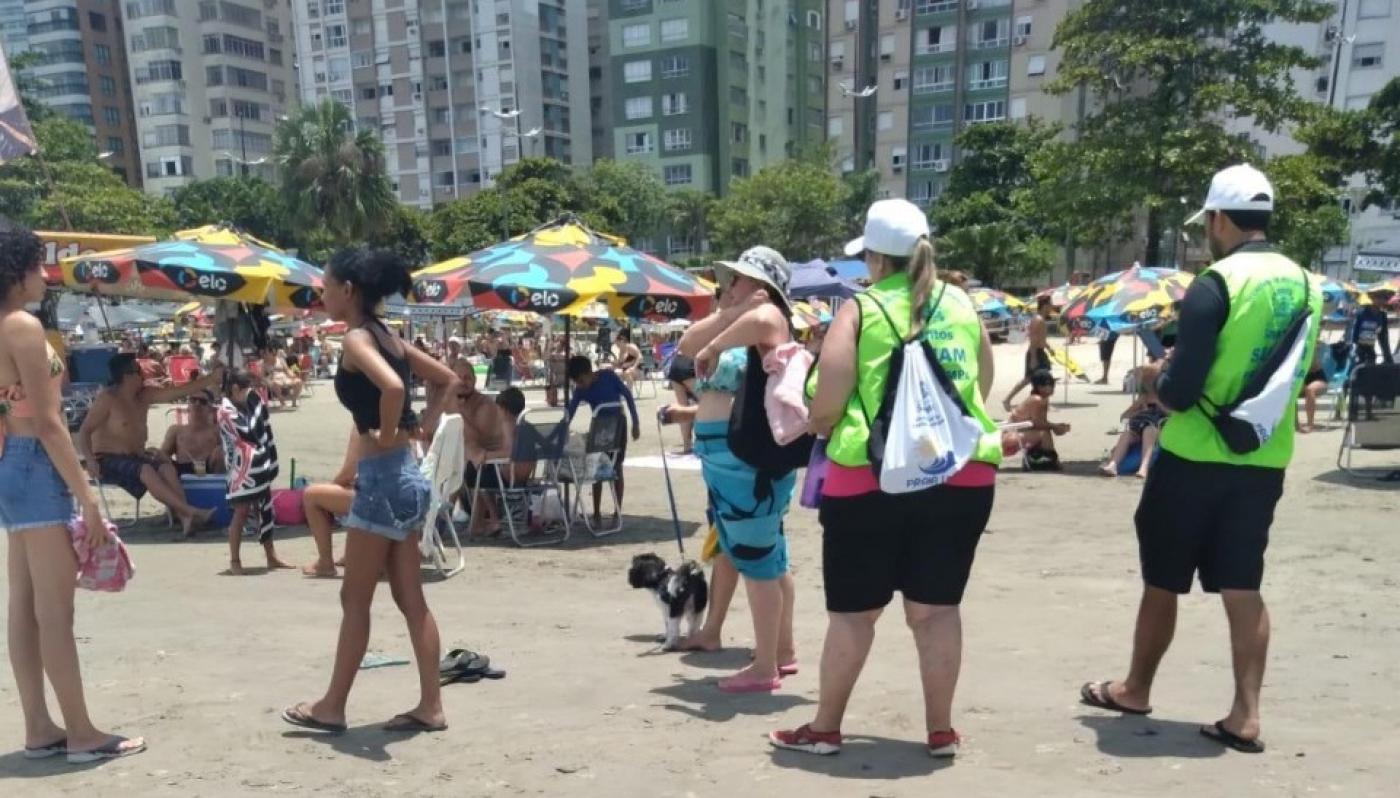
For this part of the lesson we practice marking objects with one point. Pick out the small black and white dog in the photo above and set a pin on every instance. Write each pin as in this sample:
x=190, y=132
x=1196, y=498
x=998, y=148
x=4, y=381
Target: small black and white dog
x=681, y=592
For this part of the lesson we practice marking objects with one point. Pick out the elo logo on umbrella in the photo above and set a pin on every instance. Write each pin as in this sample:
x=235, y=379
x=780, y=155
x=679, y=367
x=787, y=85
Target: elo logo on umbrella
x=304, y=297
x=97, y=271
x=647, y=306
x=538, y=300
x=201, y=282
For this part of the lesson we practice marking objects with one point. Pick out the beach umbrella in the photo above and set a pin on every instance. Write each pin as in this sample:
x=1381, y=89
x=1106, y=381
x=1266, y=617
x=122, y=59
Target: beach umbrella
x=1060, y=295
x=990, y=300
x=563, y=266
x=1389, y=290
x=818, y=279
x=209, y=263
x=806, y=315
x=1142, y=297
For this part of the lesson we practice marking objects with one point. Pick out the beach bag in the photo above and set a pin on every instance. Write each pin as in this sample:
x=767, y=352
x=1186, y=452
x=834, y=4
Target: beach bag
x=107, y=567
x=922, y=433
x=1268, y=396
x=287, y=507
x=750, y=434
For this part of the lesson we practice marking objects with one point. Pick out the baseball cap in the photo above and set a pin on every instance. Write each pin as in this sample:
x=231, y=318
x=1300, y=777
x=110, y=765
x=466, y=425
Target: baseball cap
x=1237, y=188
x=763, y=264
x=892, y=227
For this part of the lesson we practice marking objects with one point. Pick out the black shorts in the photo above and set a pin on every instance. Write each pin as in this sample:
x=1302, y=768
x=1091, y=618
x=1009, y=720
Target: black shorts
x=921, y=544
x=1106, y=347
x=1209, y=518
x=1152, y=417
x=681, y=368
x=1036, y=360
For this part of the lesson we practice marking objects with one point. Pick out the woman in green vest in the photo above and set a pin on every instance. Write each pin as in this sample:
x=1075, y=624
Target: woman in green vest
x=922, y=543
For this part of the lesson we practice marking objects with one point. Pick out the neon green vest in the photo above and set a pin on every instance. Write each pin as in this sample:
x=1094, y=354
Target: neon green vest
x=954, y=332
x=1265, y=290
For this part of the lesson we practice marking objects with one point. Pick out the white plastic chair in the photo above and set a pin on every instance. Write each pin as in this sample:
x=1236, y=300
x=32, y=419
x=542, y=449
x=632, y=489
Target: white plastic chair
x=444, y=465
x=607, y=431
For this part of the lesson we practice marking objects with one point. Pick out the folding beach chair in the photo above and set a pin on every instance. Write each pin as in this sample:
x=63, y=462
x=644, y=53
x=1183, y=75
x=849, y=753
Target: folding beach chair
x=646, y=375
x=1373, y=418
x=444, y=465
x=540, y=436
x=605, y=438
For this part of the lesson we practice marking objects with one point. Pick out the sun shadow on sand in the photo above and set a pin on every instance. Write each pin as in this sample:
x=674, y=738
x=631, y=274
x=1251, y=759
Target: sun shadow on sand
x=704, y=701
x=1371, y=481
x=866, y=757
x=635, y=529
x=369, y=742
x=1137, y=737
x=14, y=766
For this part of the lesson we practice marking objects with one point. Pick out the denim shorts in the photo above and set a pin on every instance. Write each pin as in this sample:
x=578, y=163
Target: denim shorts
x=391, y=495
x=32, y=494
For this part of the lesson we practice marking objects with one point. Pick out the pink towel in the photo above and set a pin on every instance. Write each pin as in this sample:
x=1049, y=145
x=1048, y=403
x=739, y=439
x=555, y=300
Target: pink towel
x=108, y=567
x=783, y=398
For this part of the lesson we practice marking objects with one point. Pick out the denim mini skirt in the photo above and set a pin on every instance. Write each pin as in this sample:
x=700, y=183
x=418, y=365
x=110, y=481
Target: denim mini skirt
x=391, y=495
x=32, y=494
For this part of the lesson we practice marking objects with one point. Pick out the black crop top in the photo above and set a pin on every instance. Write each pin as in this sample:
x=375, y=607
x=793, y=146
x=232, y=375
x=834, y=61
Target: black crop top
x=361, y=396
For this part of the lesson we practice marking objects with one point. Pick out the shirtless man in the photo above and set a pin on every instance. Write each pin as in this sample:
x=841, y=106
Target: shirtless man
x=629, y=358
x=481, y=435
x=1037, y=343
x=196, y=448
x=113, y=439
x=1039, y=440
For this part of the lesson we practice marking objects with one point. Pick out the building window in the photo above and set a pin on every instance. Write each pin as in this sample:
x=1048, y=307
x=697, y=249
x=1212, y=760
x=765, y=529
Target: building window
x=738, y=132
x=638, y=143
x=887, y=47
x=102, y=54
x=931, y=117
x=636, y=71
x=675, y=66
x=1018, y=108
x=107, y=85
x=335, y=36
x=1023, y=26
x=1367, y=56
x=677, y=174
x=934, y=79
x=1374, y=9
x=97, y=21
x=1035, y=65
x=115, y=145
x=989, y=111
x=926, y=156
x=987, y=75
x=112, y=116
x=674, y=103
x=635, y=5
x=366, y=92
x=885, y=121
x=637, y=108
x=159, y=70
x=638, y=35
x=437, y=48
x=937, y=39
x=740, y=167
x=814, y=20
x=990, y=33
x=675, y=30
x=835, y=126
x=677, y=140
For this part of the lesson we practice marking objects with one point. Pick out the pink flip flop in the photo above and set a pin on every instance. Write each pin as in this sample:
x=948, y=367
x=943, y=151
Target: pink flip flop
x=735, y=686
x=788, y=668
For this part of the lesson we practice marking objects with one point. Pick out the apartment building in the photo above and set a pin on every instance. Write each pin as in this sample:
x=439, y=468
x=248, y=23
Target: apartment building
x=601, y=97
x=13, y=37
x=83, y=73
x=707, y=92
x=457, y=90
x=210, y=80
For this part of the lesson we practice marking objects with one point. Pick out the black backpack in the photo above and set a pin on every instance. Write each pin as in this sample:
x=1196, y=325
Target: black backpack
x=750, y=436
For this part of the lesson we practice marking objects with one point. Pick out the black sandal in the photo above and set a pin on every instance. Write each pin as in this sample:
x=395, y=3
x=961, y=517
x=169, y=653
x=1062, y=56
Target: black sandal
x=1229, y=739
x=1104, y=700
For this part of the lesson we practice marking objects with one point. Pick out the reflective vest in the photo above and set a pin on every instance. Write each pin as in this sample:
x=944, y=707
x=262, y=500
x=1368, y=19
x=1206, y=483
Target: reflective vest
x=1265, y=289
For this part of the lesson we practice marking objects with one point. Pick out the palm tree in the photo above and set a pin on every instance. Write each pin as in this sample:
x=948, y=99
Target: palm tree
x=689, y=215
x=333, y=177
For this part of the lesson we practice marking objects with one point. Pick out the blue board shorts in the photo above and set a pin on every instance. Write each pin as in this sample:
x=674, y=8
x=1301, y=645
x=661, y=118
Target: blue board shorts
x=32, y=494
x=391, y=495
x=750, y=529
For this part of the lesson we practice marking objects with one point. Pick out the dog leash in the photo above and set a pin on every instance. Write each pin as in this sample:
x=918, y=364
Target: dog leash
x=670, y=492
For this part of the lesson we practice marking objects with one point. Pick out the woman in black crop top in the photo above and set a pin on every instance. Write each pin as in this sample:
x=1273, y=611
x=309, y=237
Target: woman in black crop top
x=391, y=494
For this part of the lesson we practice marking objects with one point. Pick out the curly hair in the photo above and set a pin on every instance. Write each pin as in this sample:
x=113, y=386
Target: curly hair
x=20, y=252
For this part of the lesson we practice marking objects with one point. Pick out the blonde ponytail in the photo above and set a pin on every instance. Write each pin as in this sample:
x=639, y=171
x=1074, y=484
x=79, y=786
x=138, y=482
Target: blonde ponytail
x=923, y=274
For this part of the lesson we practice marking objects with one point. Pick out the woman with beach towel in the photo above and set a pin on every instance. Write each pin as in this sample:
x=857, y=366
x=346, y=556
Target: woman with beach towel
x=748, y=507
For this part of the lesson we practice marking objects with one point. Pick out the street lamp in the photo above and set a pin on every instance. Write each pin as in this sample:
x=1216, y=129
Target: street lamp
x=856, y=96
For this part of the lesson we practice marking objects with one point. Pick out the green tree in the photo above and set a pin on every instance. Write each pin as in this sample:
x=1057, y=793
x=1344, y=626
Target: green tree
x=626, y=199
x=333, y=177
x=250, y=204
x=796, y=207
x=688, y=215
x=1382, y=158
x=1308, y=218
x=467, y=225
x=1164, y=77
x=995, y=253
x=862, y=189
x=995, y=165
x=407, y=234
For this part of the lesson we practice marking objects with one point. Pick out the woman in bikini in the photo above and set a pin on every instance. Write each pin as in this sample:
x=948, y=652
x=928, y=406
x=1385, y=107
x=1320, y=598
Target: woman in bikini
x=391, y=493
x=40, y=477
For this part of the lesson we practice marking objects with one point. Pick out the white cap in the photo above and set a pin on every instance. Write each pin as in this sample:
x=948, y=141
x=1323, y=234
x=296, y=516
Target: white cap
x=1237, y=188
x=892, y=227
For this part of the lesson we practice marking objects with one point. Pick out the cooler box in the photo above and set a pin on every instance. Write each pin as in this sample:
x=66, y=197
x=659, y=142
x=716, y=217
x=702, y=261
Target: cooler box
x=89, y=363
x=209, y=491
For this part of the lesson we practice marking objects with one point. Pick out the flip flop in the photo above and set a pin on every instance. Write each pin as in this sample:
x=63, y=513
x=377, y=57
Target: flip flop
x=787, y=668
x=411, y=724
x=1103, y=700
x=1229, y=739
x=46, y=751
x=112, y=749
x=296, y=717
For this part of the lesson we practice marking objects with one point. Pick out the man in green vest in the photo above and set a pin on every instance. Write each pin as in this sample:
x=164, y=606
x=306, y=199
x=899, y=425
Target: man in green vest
x=1206, y=509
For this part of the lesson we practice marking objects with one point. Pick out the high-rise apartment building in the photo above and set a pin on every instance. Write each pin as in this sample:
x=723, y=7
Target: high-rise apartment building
x=82, y=72
x=601, y=97
x=934, y=67
x=210, y=79
x=13, y=38
x=457, y=90
x=715, y=90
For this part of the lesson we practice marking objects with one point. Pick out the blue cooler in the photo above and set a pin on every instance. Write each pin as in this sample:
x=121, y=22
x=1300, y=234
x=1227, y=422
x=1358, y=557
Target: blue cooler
x=209, y=492
x=89, y=363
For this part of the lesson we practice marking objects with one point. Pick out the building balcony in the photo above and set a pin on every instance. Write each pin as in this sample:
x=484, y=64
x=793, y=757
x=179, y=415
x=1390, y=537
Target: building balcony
x=935, y=49
x=934, y=88
x=989, y=83
x=992, y=44
x=922, y=7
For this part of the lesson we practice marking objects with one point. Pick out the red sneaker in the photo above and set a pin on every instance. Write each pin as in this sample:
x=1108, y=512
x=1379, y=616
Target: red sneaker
x=804, y=739
x=944, y=743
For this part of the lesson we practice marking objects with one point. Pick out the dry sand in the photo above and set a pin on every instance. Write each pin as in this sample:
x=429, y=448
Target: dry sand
x=202, y=663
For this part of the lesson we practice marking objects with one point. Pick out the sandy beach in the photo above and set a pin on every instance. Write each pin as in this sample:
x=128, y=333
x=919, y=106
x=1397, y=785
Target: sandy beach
x=201, y=663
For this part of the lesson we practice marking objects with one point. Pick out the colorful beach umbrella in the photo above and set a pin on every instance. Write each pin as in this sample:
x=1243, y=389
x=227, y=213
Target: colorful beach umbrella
x=1060, y=295
x=207, y=263
x=990, y=300
x=1142, y=297
x=806, y=315
x=561, y=267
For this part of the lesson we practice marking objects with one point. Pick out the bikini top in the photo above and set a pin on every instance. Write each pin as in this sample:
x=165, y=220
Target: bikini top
x=728, y=373
x=13, y=402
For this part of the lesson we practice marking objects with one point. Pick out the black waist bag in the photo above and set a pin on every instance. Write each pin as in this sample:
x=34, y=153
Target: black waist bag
x=1241, y=436
x=751, y=438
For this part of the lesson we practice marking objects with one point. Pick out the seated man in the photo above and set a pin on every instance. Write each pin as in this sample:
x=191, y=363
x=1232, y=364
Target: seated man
x=481, y=435
x=194, y=446
x=511, y=403
x=1038, y=441
x=113, y=438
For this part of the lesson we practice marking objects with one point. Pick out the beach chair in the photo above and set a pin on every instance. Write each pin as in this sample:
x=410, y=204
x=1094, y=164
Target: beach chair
x=647, y=375
x=444, y=465
x=605, y=438
x=540, y=437
x=1336, y=363
x=183, y=368
x=1372, y=417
